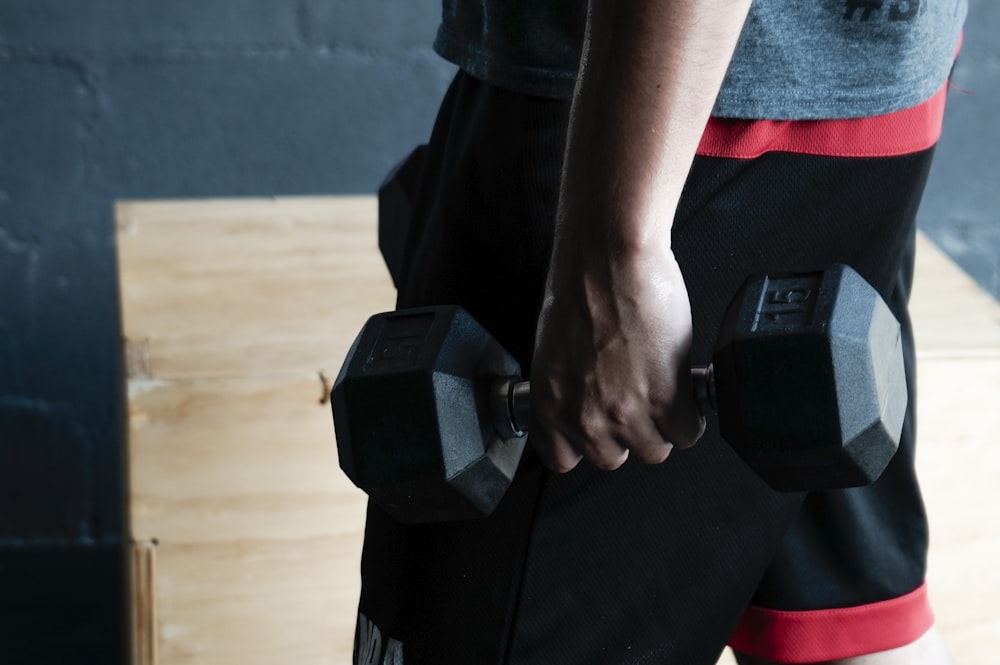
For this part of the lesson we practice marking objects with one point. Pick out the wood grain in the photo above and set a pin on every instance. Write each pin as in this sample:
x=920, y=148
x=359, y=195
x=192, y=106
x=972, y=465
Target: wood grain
x=145, y=620
x=232, y=310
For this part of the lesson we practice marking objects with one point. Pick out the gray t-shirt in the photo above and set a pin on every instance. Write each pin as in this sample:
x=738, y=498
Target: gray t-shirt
x=796, y=59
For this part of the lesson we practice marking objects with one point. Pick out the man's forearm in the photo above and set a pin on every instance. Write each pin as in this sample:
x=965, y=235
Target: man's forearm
x=611, y=371
x=649, y=76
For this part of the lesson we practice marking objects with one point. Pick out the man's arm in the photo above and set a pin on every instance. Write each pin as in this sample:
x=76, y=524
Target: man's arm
x=611, y=371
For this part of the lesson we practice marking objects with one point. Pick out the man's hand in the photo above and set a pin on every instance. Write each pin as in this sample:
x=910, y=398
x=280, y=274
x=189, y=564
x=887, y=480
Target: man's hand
x=611, y=373
x=611, y=369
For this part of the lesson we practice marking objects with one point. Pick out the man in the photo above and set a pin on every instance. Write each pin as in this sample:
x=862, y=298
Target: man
x=599, y=182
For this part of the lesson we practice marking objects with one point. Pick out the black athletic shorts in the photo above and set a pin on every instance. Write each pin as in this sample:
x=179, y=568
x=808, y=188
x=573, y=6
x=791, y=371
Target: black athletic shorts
x=655, y=563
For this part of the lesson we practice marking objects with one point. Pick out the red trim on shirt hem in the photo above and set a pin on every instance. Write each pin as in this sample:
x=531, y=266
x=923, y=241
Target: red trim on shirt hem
x=821, y=635
x=899, y=133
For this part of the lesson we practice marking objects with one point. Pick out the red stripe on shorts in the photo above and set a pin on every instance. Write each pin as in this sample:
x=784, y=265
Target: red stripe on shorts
x=821, y=635
x=899, y=133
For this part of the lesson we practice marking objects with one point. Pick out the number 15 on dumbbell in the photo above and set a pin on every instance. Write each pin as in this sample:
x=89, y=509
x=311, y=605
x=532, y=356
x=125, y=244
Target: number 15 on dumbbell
x=807, y=379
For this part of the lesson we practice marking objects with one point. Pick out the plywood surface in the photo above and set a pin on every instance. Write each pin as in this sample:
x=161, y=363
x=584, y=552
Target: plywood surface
x=958, y=340
x=233, y=309
x=251, y=287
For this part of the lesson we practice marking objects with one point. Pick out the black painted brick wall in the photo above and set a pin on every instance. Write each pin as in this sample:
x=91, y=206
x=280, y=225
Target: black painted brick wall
x=112, y=99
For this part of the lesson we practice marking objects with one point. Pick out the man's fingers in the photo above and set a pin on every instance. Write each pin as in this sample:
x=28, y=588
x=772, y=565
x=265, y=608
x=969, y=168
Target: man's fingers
x=634, y=430
x=609, y=455
x=654, y=447
x=683, y=432
x=554, y=450
x=683, y=423
x=684, y=426
x=562, y=450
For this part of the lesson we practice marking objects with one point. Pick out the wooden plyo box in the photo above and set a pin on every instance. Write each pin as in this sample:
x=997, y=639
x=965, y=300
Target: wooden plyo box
x=238, y=313
x=248, y=535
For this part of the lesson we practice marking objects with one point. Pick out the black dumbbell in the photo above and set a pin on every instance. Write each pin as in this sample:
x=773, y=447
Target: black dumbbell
x=807, y=378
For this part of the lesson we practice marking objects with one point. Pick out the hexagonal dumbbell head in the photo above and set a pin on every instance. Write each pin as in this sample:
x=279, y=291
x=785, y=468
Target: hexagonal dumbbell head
x=413, y=420
x=810, y=380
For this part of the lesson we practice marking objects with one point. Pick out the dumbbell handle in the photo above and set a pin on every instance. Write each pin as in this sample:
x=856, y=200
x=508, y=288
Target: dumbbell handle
x=511, y=403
